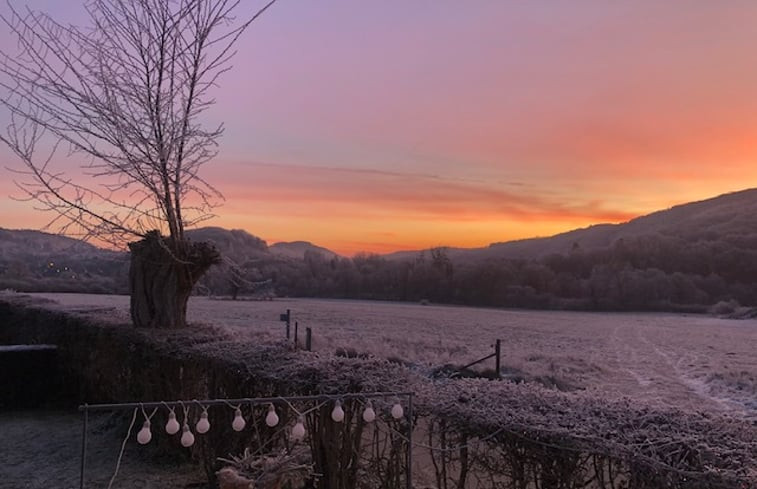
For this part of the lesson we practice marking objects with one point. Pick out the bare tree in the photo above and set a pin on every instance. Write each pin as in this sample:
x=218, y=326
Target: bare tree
x=124, y=96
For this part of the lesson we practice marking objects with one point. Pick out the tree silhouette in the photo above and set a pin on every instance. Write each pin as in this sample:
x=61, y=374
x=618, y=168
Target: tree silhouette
x=125, y=96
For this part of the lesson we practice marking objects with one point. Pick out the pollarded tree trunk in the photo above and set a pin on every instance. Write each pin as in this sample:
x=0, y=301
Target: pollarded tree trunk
x=161, y=277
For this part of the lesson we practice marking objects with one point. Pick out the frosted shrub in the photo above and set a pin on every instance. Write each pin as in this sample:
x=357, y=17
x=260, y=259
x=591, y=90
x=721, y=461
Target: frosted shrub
x=723, y=308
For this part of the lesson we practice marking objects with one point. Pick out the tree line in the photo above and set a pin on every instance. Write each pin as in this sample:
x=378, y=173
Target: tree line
x=653, y=272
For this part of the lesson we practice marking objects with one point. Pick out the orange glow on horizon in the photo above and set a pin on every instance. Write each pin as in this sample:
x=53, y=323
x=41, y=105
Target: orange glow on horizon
x=348, y=236
x=464, y=127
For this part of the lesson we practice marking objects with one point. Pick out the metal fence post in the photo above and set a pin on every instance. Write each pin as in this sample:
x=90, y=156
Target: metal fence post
x=296, y=342
x=410, y=441
x=83, y=466
x=498, y=357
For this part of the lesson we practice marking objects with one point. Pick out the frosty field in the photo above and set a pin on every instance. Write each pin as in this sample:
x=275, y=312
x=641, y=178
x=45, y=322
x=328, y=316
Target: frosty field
x=687, y=361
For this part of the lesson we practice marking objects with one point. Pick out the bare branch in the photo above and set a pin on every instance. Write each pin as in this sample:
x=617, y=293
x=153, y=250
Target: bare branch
x=123, y=95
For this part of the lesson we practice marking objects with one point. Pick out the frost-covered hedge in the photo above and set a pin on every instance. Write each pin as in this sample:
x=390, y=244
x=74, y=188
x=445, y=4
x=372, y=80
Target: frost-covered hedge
x=469, y=432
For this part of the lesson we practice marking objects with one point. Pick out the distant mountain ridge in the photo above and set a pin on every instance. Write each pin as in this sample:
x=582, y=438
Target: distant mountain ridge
x=24, y=241
x=297, y=249
x=38, y=261
x=689, y=257
x=235, y=244
x=728, y=214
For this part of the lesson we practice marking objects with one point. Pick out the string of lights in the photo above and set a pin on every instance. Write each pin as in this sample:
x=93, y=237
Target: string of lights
x=144, y=436
x=202, y=426
x=298, y=431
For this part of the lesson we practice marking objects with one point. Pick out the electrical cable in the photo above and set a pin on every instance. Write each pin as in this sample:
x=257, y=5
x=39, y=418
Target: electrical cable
x=123, y=447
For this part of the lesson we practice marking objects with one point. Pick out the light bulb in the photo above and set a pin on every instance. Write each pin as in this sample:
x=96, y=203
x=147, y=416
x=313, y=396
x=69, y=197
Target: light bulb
x=239, y=422
x=272, y=419
x=298, y=431
x=203, y=425
x=172, y=426
x=369, y=414
x=338, y=413
x=187, y=438
x=397, y=411
x=145, y=435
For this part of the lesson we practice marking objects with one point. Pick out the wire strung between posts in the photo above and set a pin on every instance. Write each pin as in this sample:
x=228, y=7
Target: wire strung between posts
x=297, y=411
x=306, y=412
x=438, y=449
x=185, y=408
x=144, y=413
x=246, y=400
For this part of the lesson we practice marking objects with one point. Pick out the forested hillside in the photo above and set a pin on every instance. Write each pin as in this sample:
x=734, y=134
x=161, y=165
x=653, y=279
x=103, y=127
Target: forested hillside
x=652, y=272
x=689, y=257
x=33, y=261
x=685, y=258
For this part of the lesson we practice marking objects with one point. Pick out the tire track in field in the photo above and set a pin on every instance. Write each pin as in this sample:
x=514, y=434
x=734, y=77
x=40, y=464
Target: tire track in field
x=626, y=357
x=684, y=368
x=660, y=374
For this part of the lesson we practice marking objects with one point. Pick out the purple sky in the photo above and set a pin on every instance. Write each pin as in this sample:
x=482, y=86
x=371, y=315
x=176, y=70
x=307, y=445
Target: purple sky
x=382, y=125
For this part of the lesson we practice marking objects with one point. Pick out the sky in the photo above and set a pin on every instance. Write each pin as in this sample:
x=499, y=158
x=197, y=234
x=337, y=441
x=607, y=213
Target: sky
x=381, y=125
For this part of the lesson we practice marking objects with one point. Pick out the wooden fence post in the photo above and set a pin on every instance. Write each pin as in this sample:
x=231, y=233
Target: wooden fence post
x=286, y=317
x=308, y=339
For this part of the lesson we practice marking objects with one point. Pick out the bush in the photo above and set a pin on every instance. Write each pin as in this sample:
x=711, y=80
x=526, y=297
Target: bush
x=723, y=308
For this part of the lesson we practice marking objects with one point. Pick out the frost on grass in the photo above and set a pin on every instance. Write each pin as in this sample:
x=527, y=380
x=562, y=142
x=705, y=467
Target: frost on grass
x=648, y=441
x=670, y=359
x=493, y=430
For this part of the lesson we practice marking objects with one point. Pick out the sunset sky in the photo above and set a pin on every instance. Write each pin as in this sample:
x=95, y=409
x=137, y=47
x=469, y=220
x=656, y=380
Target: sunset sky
x=380, y=125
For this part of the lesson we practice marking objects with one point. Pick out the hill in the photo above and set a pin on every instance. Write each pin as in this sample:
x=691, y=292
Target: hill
x=236, y=244
x=22, y=242
x=726, y=216
x=38, y=261
x=297, y=249
x=690, y=257
x=687, y=258
x=717, y=218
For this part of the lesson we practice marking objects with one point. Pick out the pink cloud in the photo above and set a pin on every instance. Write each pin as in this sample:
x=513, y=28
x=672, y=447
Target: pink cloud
x=313, y=191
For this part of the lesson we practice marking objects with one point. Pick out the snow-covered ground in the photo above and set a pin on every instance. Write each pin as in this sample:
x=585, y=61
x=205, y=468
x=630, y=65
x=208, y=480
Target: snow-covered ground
x=688, y=361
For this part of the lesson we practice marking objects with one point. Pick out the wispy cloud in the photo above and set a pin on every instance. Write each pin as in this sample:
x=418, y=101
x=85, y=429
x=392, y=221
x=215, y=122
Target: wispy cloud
x=501, y=120
x=345, y=192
